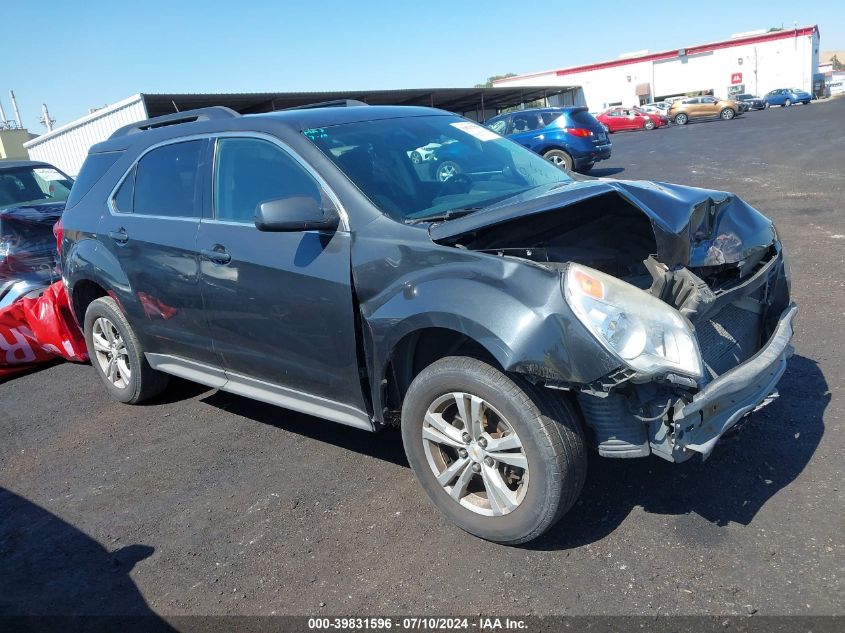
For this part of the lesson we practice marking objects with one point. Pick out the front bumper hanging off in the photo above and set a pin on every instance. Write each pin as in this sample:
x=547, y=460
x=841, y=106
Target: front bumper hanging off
x=698, y=424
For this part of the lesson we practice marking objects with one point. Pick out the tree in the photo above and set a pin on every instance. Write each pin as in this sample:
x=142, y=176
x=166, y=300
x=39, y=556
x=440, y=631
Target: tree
x=837, y=65
x=490, y=80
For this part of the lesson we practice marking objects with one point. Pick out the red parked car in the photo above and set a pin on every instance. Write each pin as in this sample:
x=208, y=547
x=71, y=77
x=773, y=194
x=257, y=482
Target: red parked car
x=617, y=119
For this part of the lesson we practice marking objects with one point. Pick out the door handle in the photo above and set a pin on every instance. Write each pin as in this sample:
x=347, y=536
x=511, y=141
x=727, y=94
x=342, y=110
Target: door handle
x=218, y=254
x=120, y=236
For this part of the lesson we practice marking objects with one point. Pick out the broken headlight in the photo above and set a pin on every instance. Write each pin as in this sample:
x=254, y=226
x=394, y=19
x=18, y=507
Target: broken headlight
x=644, y=332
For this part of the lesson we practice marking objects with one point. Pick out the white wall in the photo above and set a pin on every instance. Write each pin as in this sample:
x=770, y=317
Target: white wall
x=789, y=62
x=66, y=147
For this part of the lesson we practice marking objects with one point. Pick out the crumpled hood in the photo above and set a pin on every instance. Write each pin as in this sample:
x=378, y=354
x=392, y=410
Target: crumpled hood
x=692, y=226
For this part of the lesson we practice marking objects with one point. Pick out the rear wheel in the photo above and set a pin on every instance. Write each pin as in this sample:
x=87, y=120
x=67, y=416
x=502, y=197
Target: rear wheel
x=727, y=114
x=502, y=459
x=117, y=356
x=681, y=119
x=560, y=158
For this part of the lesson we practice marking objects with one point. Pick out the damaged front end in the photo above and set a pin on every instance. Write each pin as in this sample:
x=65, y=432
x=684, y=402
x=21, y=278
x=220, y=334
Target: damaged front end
x=688, y=289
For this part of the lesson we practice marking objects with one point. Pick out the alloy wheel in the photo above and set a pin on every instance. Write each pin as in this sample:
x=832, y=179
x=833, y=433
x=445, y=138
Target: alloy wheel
x=111, y=353
x=446, y=171
x=475, y=454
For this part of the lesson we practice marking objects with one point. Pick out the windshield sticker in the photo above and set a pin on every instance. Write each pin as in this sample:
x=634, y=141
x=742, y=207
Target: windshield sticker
x=48, y=174
x=481, y=133
x=316, y=133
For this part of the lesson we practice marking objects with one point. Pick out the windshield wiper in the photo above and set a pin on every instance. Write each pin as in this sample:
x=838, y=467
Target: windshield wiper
x=450, y=214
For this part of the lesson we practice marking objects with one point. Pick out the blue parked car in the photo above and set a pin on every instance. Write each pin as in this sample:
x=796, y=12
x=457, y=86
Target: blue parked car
x=786, y=97
x=570, y=137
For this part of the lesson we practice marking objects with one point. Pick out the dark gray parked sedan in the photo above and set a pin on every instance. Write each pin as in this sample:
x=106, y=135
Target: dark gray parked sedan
x=507, y=318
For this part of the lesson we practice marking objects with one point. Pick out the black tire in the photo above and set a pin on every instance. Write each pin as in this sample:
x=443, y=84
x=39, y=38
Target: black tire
x=559, y=158
x=681, y=119
x=585, y=169
x=649, y=124
x=727, y=114
x=548, y=427
x=144, y=382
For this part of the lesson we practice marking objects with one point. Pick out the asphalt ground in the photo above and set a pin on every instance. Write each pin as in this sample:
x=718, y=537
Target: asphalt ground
x=208, y=503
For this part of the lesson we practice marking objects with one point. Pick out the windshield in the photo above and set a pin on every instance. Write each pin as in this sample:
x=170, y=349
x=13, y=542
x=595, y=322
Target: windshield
x=432, y=167
x=20, y=186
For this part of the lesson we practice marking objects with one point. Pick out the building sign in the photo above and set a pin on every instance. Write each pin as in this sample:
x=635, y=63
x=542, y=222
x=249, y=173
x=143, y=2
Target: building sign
x=736, y=78
x=736, y=90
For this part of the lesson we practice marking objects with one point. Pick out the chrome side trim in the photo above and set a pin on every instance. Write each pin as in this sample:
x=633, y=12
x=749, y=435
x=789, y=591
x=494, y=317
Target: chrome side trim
x=188, y=369
x=262, y=391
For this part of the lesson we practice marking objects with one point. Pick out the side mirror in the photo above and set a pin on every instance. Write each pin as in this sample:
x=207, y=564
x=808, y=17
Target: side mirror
x=299, y=213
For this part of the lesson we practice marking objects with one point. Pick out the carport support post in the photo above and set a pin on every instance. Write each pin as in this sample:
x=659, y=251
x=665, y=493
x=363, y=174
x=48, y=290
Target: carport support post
x=482, y=107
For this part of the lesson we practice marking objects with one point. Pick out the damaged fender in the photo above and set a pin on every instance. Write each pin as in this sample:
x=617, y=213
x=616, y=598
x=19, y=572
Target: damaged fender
x=516, y=312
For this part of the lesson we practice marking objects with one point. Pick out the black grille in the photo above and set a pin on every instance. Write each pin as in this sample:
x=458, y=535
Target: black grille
x=728, y=338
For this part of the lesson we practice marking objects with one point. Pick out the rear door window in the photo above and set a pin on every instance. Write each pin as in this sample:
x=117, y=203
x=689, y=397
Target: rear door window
x=166, y=181
x=526, y=123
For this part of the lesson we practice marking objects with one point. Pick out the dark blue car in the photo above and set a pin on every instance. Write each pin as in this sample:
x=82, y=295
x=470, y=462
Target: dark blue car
x=570, y=137
x=786, y=97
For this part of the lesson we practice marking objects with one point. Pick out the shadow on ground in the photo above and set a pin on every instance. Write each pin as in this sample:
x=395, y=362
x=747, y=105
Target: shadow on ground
x=52, y=573
x=744, y=471
x=604, y=172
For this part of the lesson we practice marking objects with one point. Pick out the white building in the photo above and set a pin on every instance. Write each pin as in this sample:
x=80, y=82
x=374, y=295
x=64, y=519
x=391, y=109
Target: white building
x=754, y=62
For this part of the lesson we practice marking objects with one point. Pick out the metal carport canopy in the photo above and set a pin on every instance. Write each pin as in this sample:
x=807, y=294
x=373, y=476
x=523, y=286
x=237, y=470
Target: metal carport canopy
x=460, y=100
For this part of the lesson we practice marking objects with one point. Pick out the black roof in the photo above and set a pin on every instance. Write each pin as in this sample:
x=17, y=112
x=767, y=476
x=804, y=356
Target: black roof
x=460, y=100
x=16, y=164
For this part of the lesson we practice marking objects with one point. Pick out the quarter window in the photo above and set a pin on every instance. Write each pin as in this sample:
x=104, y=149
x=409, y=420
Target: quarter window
x=249, y=171
x=166, y=181
x=124, y=195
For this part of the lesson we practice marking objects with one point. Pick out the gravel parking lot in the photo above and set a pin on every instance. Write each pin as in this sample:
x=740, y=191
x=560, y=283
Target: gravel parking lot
x=207, y=503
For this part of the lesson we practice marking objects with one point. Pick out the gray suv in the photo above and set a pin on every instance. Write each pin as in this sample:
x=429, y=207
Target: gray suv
x=506, y=318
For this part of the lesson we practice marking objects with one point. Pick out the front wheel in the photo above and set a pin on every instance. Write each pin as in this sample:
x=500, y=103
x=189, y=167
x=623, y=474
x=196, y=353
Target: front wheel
x=787, y=103
x=501, y=458
x=681, y=119
x=560, y=158
x=416, y=157
x=727, y=114
x=649, y=124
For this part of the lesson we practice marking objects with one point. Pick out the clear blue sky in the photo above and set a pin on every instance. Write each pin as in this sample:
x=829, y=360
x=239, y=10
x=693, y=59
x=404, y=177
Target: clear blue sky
x=74, y=55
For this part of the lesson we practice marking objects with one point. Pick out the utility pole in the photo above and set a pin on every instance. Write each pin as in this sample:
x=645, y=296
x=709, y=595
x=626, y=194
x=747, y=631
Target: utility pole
x=45, y=119
x=15, y=108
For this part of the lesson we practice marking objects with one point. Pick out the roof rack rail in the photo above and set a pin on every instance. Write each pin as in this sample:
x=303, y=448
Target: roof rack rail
x=188, y=116
x=336, y=103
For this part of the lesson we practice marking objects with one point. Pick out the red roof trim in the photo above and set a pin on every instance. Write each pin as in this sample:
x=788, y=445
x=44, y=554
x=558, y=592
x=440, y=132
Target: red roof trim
x=693, y=50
